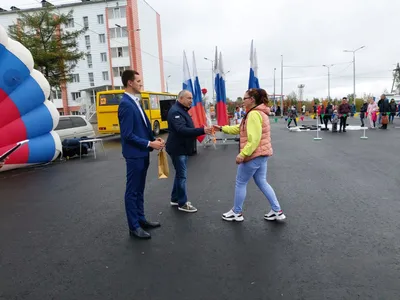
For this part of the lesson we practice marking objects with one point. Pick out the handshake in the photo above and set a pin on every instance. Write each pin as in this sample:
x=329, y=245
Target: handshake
x=209, y=130
x=158, y=144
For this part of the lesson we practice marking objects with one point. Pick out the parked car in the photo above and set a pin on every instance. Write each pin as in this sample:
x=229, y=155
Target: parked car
x=74, y=127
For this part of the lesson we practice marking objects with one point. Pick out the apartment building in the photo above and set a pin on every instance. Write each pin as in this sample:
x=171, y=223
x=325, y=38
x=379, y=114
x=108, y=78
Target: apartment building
x=120, y=35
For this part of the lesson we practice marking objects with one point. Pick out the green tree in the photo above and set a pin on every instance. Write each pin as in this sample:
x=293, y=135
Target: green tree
x=54, y=50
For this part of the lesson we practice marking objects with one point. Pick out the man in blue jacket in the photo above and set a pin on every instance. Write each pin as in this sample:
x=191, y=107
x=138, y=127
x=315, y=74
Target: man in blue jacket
x=137, y=141
x=180, y=144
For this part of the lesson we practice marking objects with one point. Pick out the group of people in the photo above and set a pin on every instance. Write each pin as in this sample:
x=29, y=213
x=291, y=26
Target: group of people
x=382, y=112
x=138, y=141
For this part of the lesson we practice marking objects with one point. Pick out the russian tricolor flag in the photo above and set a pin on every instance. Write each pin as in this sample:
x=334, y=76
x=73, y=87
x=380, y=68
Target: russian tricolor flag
x=253, y=78
x=197, y=110
x=222, y=113
x=198, y=114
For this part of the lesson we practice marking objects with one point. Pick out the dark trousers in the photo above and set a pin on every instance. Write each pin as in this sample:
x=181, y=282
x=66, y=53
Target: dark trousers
x=179, y=190
x=136, y=172
x=391, y=117
x=343, y=121
x=327, y=118
x=290, y=121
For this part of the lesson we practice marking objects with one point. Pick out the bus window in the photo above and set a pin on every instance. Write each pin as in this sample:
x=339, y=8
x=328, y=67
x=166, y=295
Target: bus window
x=155, y=101
x=112, y=99
x=145, y=104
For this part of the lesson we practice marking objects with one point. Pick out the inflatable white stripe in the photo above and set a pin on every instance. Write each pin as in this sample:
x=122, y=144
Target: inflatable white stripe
x=58, y=144
x=42, y=82
x=53, y=112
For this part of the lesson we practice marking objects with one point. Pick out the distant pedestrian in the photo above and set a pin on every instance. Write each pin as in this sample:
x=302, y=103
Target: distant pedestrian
x=363, y=111
x=392, y=109
x=344, y=111
x=371, y=112
x=292, y=115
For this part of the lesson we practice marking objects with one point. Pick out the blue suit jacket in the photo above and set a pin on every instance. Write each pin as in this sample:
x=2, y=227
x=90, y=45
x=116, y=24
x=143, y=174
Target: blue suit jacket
x=135, y=135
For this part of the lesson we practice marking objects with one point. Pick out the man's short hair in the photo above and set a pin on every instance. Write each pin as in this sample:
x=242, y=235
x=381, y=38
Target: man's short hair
x=128, y=75
x=182, y=93
x=344, y=98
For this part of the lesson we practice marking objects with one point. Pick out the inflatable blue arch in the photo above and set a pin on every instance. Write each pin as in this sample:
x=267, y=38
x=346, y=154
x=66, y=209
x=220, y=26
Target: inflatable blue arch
x=25, y=112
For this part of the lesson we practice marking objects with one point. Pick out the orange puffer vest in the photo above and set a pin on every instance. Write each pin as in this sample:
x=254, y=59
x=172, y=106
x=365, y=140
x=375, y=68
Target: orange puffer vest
x=265, y=146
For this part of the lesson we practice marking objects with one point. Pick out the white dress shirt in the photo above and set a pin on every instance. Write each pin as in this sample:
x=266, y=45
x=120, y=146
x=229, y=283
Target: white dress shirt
x=136, y=101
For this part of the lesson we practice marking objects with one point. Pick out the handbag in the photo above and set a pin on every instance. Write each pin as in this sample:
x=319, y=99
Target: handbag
x=385, y=119
x=163, y=167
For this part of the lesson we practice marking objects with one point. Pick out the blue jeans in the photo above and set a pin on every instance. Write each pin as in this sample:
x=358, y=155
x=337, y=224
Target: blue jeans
x=256, y=168
x=179, y=190
x=136, y=172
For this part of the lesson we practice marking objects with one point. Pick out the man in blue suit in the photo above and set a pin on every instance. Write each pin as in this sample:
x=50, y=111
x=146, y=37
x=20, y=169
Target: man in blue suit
x=137, y=141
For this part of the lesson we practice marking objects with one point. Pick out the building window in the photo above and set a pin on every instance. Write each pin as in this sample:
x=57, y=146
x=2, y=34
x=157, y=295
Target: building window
x=117, y=71
x=120, y=52
x=89, y=60
x=76, y=95
x=105, y=76
x=87, y=41
x=70, y=23
x=56, y=93
x=86, y=22
x=75, y=78
x=118, y=32
x=102, y=38
x=117, y=12
x=103, y=57
x=100, y=19
x=91, y=79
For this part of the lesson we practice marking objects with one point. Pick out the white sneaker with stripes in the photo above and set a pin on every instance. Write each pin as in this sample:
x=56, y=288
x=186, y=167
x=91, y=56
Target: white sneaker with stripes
x=275, y=215
x=231, y=216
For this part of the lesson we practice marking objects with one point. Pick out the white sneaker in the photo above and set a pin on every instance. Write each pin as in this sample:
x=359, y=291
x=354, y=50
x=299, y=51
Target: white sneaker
x=274, y=215
x=231, y=216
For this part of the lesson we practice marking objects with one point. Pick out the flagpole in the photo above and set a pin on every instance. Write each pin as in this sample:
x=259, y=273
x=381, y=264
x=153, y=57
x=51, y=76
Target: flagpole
x=282, y=85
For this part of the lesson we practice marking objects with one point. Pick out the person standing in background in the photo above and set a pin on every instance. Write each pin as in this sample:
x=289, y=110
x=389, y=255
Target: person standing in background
x=392, y=110
x=363, y=110
x=371, y=112
x=344, y=110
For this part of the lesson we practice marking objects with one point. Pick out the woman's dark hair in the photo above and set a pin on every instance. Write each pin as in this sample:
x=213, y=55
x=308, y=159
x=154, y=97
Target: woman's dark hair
x=260, y=96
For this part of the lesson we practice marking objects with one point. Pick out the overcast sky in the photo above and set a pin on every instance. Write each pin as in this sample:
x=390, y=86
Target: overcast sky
x=308, y=33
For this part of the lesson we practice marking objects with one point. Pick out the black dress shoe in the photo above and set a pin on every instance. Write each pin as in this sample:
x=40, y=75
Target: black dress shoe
x=149, y=225
x=140, y=234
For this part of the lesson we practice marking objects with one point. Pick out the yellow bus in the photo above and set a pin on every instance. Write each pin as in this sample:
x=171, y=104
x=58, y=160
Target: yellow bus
x=155, y=104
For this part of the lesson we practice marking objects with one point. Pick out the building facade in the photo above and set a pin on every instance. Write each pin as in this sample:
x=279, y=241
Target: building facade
x=120, y=35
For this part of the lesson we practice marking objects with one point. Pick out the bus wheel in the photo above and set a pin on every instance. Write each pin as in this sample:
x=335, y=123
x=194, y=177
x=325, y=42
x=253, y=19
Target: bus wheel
x=156, y=128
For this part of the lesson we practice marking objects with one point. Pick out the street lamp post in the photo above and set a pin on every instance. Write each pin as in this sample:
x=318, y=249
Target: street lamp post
x=354, y=71
x=282, y=85
x=212, y=76
x=274, y=88
x=167, y=81
x=329, y=80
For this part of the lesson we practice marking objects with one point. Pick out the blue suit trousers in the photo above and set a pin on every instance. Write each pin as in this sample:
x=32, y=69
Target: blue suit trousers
x=136, y=172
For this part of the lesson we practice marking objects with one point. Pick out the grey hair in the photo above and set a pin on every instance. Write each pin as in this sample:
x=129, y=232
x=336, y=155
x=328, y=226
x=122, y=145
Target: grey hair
x=182, y=93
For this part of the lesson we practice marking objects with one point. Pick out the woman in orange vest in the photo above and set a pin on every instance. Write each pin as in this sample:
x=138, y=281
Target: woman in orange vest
x=255, y=149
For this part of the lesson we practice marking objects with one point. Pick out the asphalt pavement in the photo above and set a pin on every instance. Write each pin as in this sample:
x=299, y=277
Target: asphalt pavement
x=63, y=231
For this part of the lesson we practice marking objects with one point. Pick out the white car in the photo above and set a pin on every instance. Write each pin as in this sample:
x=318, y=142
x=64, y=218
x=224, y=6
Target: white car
x=71, y=127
